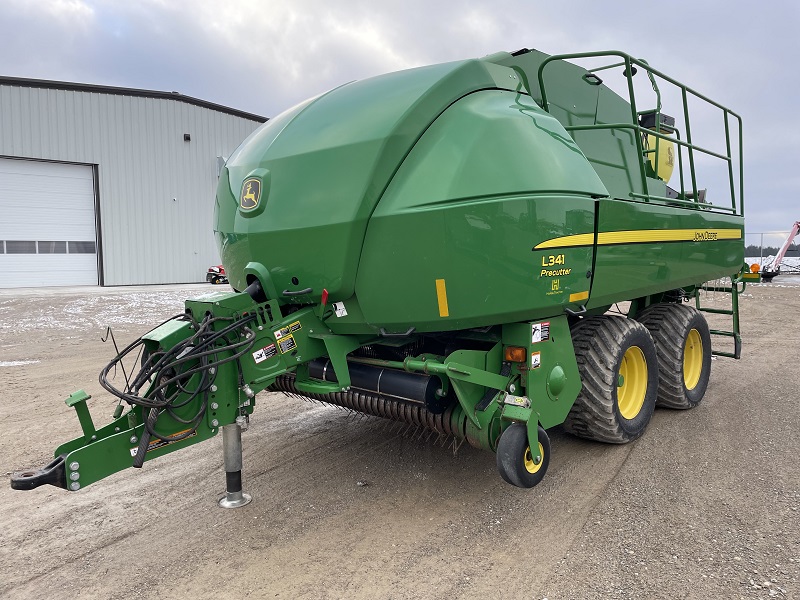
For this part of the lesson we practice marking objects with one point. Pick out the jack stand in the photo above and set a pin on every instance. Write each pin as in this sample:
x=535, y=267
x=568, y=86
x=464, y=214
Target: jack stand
x=232, y=452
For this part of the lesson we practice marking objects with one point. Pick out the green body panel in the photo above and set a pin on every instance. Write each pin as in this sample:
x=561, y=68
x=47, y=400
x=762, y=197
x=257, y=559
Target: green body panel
x=551, y=379
x=574, y=101
x=491, y=178
x=323, y=167
x=631, y=270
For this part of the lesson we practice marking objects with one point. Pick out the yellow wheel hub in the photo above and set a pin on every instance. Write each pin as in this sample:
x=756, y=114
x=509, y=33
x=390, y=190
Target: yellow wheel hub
x=530, y=464
x=632, y=383
x=692, y=359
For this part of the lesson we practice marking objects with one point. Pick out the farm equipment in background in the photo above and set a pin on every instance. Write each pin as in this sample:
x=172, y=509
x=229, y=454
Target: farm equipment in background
x=441, y=247
x=216, y=275
x=774, y=268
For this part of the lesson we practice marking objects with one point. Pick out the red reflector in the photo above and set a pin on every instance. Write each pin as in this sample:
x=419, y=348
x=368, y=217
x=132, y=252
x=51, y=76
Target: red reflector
x=324, y=297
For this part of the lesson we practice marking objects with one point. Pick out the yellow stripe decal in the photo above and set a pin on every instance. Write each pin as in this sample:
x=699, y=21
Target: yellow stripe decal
x=641, y=236
x=578, y=296
x=581, y=239
x=651, y=236
x=441, y=295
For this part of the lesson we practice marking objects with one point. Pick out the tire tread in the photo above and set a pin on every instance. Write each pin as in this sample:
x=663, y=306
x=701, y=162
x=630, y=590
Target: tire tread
x=667, y=323
x=596, y=341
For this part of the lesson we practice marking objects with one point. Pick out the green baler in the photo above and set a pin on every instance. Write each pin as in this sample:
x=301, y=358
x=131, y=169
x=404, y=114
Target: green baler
x=441, y=246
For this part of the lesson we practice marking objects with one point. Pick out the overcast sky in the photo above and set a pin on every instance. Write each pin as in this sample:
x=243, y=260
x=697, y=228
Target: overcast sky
x=263, y=56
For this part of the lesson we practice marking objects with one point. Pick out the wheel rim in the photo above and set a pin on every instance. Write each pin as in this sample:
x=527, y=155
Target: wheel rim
x=532, y=466
x=632, y=382
x=692, y=359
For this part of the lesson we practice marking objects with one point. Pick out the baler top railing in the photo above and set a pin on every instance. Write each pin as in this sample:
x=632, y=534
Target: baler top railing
x=630, y=63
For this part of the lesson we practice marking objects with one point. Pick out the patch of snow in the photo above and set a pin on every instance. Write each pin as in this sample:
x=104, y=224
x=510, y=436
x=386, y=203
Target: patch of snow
x=17, y=363
x=100, y=311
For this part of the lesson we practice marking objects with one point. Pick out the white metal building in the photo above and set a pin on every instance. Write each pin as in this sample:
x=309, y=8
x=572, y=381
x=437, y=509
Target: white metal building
x=109, y=186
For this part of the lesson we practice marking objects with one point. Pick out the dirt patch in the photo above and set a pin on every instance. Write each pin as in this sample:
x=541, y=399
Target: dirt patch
x=705, y=505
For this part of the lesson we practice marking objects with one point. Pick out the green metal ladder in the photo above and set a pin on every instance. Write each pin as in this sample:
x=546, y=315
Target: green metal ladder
x=734, y=291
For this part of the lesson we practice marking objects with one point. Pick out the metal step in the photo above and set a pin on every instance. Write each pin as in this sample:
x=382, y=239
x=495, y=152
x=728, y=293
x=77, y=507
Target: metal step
x=734, y=291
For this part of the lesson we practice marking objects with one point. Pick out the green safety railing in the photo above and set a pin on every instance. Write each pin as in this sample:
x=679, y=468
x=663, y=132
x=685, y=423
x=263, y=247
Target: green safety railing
x=629, y=63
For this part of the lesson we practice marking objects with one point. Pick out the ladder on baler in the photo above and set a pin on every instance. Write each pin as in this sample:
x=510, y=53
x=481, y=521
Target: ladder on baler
x=733, y=290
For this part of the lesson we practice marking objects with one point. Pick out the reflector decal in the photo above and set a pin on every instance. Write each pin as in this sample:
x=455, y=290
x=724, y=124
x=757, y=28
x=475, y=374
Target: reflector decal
x=578, y=296
x=441, y=296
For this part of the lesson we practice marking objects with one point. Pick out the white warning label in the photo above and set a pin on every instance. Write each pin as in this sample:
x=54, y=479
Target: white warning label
x=540, y=332
x=536, y=360
x=339, y=309
x=265, y=353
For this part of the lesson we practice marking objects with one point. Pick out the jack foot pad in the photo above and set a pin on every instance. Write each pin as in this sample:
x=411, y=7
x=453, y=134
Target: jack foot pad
x=235, y=500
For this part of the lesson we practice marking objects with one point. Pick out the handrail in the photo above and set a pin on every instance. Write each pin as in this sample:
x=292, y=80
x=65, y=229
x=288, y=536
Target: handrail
x=628, y=62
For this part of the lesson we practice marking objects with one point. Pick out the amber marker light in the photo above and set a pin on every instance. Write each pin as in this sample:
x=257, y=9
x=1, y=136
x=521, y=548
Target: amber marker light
x=515, y=354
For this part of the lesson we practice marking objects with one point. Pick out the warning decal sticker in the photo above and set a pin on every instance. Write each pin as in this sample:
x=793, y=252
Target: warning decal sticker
x=156, y=444
x=287, y=344
x=283, y=332
x=536, y=360
x=265, y=353
x=540, y=332
x=295, y=326
x=339, y=309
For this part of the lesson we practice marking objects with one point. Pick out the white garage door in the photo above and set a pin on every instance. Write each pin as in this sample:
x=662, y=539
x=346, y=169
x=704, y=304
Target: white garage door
x=47, y=224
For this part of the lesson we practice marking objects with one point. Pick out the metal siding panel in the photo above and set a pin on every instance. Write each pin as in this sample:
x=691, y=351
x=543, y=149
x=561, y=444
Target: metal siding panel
x=34, y=123
x=58, y=129
x=143, y=163
x=5, y=119
x=16, y=124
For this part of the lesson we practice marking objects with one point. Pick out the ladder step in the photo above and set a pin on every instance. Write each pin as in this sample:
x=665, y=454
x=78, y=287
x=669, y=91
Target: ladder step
x=716, y=311
x=725, y=333
x=734, y=291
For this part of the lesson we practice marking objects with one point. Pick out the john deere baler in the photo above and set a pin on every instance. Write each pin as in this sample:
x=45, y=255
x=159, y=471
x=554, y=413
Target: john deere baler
x=441, y=246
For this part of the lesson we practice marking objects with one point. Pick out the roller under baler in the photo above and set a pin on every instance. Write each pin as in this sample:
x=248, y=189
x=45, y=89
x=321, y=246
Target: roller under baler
x=440, y=247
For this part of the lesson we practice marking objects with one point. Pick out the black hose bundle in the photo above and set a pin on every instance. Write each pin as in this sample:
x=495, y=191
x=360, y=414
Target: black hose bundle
x=166, y=375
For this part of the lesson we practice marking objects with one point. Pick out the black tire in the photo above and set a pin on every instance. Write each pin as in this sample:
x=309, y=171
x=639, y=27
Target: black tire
x=683, y=345
x=613, y=353
x=514, y=460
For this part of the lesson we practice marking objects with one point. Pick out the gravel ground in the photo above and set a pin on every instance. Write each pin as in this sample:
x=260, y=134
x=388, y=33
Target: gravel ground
x=705, y=505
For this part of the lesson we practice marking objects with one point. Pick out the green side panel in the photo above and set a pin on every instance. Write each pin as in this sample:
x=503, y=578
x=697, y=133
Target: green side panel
x=490, y=179
x=526, y=65
x=631, y=270
x=551, y=378
x=614, y=154
x=323, y=166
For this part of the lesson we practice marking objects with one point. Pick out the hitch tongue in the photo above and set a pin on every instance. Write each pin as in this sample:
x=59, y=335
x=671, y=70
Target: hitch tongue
x=54, y=473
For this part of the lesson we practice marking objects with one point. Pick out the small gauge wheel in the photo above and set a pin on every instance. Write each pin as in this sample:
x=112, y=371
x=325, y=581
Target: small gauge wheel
x=516, y=462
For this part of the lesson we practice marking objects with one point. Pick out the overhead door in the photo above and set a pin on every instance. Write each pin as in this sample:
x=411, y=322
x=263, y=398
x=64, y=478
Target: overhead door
x=47, y=224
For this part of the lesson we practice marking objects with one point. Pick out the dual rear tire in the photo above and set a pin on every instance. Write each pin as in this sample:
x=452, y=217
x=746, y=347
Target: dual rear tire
x=683, y=344
x=618, y=366
x=627, y=367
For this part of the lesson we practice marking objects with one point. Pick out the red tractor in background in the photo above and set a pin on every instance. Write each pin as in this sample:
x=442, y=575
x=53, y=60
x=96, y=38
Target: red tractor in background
x=216, y=275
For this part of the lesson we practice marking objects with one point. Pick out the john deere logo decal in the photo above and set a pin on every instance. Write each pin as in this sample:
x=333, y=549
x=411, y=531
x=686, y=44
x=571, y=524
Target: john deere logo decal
x=251, y=193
